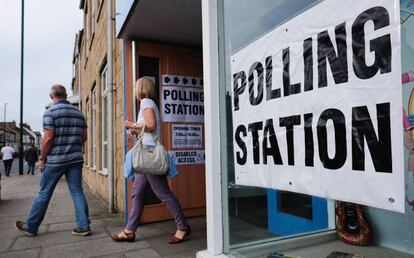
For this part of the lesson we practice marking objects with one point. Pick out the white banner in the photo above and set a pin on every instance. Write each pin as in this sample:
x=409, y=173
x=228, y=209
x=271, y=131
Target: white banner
x=317, y=105
x=186, y=136
x=182, y=104
x=188, y=157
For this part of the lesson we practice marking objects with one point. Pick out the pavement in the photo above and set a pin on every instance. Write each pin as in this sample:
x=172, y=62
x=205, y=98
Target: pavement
x=55, y=239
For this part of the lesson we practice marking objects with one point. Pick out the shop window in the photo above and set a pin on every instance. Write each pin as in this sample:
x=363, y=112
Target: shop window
x=255, y=217
x=253, y=214
x=295, y=204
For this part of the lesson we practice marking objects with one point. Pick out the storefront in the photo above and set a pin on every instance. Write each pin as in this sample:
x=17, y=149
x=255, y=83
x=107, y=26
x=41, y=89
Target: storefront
x=305, y=97
x=300, y=108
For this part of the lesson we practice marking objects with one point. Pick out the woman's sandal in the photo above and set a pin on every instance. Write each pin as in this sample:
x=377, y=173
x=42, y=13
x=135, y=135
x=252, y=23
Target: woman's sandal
x=176, y=240
x=126, y=237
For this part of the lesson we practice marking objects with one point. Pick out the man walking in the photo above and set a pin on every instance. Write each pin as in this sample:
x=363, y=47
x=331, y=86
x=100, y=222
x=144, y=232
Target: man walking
x=61, y=154
x=31, y=158
x=7, y=153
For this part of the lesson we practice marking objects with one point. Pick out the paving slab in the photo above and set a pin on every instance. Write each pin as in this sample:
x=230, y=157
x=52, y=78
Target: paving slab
x=30, y=253
x=163, y=248
x=55, y=238
x=148, y=253
x=95, y=247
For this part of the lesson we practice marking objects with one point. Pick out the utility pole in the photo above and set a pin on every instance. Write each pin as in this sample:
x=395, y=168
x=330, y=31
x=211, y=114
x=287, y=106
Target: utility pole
x=21, y=94
x=4, y=124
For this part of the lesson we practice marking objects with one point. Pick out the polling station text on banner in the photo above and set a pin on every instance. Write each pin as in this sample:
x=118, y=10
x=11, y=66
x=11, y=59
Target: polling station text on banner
x=317, y=106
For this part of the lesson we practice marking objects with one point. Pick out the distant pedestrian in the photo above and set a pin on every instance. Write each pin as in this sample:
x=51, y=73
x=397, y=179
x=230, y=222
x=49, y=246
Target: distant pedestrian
x=7, y=153
x=61, y=154
x=31, y=156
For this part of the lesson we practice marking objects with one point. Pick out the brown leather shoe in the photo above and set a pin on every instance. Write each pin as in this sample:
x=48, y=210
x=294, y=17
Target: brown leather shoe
x=176, y=240
x=126, y=237
x=22, y=227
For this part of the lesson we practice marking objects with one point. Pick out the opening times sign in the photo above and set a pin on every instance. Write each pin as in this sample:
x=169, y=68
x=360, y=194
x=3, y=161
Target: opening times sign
x=317, y=105
x=186, y=136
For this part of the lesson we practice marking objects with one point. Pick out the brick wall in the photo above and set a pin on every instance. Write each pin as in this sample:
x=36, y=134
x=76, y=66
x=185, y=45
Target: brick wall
x=93, y=54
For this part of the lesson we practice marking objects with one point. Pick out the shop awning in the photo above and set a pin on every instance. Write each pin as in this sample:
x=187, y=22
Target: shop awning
x=168, y=21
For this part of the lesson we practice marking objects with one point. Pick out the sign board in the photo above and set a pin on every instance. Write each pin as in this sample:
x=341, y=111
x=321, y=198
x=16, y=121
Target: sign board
x=185, y=81
x=188, y=157
x=185, y=136
x=317, y=106
x=182, y=104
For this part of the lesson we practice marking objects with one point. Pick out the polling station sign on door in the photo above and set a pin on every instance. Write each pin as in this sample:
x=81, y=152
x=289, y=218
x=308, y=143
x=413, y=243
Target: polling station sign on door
x=183, y=104
x=317, y=106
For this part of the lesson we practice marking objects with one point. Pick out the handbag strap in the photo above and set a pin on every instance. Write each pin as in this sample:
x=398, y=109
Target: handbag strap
x=141, y=134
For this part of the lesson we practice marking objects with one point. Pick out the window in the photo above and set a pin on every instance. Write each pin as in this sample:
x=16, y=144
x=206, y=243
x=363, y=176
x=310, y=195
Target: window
x=93, y=130
x=90, y=22
x=88, y=109
x=105, y=119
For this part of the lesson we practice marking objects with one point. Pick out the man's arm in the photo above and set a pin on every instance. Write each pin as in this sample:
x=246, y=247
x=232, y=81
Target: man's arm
x=84, y=136
x=47, y=143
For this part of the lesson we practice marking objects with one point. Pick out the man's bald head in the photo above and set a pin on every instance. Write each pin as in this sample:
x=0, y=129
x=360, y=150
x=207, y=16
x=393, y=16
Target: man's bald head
x=58, y=91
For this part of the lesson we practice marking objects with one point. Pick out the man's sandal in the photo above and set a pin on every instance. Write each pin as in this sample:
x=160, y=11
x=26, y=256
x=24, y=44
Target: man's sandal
x=123, y=236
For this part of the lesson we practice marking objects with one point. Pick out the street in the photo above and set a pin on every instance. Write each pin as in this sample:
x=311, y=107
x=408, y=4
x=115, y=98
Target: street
x=55, y=239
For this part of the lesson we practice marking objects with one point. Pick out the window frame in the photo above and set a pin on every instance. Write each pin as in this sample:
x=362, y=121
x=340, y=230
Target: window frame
x=93, y=146
x=86, y=147
x=104, y=119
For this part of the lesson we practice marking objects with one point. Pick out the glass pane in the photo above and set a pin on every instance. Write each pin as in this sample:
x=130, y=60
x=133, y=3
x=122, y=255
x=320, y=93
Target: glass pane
x=105, y=156
x=295, y=204
x=254, y=215
x=104, y=118
x=251, y=213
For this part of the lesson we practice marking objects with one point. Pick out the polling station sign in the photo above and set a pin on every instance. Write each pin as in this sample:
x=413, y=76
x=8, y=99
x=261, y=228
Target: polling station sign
x=182, y=101
x=317, y=105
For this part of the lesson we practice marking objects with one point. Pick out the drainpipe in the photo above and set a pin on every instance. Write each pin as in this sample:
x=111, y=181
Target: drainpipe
x=110, y=111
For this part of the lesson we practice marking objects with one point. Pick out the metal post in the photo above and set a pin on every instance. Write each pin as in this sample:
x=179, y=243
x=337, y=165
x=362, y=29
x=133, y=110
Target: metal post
x=21, y=94
x=4, y=124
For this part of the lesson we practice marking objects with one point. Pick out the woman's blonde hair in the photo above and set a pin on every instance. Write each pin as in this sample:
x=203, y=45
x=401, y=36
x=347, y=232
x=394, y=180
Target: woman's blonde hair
x=146, y=89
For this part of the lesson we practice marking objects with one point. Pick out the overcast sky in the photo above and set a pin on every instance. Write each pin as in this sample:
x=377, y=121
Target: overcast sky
x=50, y=29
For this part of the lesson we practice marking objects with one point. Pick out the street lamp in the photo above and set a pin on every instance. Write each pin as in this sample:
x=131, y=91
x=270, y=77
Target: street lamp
x=4, y=124
x=21, y=93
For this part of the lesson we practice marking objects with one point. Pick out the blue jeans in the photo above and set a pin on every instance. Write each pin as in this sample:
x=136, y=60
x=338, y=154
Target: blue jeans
x=48, y=181
x=31, y=166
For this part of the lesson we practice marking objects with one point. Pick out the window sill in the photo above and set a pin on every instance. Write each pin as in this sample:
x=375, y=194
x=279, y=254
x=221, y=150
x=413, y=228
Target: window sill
x=103, y=172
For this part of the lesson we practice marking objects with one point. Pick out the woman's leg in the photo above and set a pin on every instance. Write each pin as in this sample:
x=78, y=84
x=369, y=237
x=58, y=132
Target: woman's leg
x=140, y=183
x=162, y=191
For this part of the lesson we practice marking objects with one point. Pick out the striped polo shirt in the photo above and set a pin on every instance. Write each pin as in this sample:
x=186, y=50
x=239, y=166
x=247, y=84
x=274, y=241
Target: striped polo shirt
x=68, y=124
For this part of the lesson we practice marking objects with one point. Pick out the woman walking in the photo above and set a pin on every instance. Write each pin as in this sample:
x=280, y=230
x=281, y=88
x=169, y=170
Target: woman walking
x=149, y=116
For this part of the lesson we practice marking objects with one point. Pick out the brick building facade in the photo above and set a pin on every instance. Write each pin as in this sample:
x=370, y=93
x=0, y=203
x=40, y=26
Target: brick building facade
x=90, y=82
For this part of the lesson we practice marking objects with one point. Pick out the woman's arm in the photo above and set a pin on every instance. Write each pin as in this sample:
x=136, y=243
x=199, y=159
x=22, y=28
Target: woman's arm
x=150, y=122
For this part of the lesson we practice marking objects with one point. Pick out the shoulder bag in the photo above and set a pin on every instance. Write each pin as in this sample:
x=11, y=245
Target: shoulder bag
x=149, y=160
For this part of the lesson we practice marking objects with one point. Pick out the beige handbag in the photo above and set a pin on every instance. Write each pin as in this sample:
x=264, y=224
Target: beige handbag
x=149, y=160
